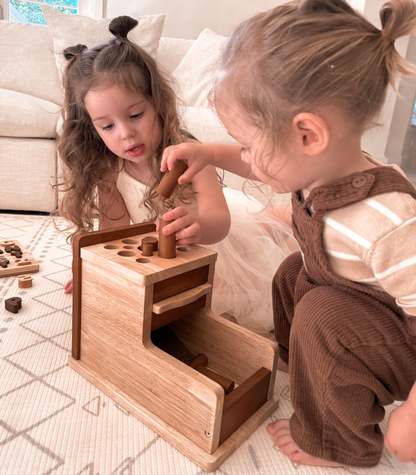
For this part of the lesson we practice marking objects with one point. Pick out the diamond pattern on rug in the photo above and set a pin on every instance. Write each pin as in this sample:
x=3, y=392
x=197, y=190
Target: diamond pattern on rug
x=54, y=422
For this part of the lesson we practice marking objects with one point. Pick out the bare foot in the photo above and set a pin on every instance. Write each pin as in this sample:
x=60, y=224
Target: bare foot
x=280, y=432
x=282, y=366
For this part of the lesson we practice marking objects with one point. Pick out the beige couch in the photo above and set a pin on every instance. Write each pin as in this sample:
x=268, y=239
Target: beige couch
x=31, y=96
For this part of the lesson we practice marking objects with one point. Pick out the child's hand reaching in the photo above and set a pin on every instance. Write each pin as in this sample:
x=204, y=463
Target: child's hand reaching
x=197, y=156
x=401, y=433
x=68, y=287
x=185, y=224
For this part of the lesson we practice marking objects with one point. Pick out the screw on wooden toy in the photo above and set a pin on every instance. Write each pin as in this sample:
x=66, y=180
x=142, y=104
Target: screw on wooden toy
x=167, y=243
x=200, y=362
x=13, y=304
x=24, y=281
x=169, y=181
x=149, y=246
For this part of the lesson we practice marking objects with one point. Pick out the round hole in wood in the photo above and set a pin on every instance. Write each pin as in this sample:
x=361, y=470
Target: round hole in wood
x=126, y=253
x=128, y=247
x=142, y=260
x=183, y=248
x=110, y=246
x=129, y=241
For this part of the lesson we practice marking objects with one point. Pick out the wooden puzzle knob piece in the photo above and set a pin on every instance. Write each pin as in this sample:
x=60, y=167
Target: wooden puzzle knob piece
x=13, y=304
x=167, y=243
x=168, y=183
x=24, y=281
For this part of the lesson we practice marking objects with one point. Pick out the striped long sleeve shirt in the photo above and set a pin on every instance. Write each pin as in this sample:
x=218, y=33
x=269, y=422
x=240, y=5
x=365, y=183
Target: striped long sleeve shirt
x=373, y=242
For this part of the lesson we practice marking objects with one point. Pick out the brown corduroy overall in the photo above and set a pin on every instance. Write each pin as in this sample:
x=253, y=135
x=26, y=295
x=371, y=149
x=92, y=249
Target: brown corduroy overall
x=350, y=348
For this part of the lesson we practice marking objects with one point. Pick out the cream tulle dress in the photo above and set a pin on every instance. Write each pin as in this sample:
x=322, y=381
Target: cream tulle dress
x=247, y=258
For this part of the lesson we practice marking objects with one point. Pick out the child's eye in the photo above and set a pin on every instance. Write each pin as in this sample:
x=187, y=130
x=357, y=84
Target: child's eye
x=107, y=127
x=136, y=116
x=245, y=149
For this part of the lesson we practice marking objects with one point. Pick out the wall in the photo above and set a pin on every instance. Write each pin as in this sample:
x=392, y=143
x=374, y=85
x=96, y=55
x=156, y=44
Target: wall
x=186, y=19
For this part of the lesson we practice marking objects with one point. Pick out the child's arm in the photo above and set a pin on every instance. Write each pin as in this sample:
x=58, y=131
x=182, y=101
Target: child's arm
x=212, y=224
x=401, y=433
x=198, y=156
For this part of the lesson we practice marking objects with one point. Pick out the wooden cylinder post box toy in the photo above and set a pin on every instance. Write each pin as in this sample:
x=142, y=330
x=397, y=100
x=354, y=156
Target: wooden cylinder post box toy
x=145, y=334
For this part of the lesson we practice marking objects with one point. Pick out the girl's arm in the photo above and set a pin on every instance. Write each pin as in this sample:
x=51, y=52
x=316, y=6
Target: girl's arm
x=198, y=156
x=212, y=224
x=114, y=212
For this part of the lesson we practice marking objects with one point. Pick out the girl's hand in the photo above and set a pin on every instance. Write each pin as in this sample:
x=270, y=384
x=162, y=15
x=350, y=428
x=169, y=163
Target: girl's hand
x=401, y=433
x=68, y=287
x=185, y=224
x=196, y=155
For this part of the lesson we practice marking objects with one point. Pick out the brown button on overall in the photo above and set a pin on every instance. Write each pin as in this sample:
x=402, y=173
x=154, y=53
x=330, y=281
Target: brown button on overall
x=349, y=347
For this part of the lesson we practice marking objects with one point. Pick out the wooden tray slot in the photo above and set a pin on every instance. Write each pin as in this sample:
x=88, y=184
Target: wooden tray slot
x=181, y=299
x=179, y=283
x=160, y=320
x=243, y=402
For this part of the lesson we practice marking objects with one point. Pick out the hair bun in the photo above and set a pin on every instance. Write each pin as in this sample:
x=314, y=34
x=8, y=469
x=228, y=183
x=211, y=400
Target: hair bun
x=121, y=26
x=73, y=51
x=324, y=6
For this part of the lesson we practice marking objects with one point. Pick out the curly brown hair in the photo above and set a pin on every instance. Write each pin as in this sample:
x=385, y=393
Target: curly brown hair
x=88, y=165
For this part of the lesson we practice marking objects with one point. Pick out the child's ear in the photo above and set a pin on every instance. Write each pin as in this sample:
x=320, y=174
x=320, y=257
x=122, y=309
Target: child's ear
x=311, y=132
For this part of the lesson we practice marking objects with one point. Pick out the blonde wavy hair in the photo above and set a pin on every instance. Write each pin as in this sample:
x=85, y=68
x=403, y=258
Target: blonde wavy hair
x=308, y=54
x=87, y=162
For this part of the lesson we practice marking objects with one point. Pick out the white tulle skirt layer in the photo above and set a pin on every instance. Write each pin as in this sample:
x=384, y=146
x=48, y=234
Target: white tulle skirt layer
x=247, y=260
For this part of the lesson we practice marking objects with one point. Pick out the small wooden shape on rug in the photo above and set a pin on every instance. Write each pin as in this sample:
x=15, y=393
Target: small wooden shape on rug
x=13, y=305
x=15, y=259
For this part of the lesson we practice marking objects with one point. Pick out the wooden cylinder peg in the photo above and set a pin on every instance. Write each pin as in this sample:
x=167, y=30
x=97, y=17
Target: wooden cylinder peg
x=168, y=183
x=167, y=243
x=225, y=383
x=147, y=248
x=200, y=362
x=152, y=240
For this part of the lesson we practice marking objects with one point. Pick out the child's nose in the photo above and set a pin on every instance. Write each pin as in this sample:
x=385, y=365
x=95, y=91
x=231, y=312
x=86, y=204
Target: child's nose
x=127, y=132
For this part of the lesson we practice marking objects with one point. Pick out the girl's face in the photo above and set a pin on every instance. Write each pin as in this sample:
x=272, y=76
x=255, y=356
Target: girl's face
x=282, y=169
x=126, y=121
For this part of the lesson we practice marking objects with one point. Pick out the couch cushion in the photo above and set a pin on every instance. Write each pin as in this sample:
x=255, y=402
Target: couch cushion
x=69, y=30
x=27, y=64
x=204, y=125
x=27, y=116
x=196, y=73
x=171, y=51
x=28, y=169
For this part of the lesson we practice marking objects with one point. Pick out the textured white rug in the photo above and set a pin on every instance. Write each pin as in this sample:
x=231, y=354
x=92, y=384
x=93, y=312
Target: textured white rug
x=52, y=421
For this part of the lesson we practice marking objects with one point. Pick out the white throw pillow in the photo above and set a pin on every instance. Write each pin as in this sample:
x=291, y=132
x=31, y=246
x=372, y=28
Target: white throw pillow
x=70, y=30
x=23, y=115
x=195, y=75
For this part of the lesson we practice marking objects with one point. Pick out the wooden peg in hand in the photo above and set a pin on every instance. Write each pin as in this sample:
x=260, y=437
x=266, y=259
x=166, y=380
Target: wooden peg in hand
x=168, y=183
x=167, y=243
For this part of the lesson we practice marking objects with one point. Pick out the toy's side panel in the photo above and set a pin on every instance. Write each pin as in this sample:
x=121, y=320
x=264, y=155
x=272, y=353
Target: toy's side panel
x=232, y=351
x=112, y=344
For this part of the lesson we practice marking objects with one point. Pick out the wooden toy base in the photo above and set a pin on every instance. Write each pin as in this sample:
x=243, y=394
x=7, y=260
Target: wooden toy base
x=25, y=265
x=204, y=460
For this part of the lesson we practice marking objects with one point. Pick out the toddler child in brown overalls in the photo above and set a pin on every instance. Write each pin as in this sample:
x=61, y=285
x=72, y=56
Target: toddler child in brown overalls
x=298, y=87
